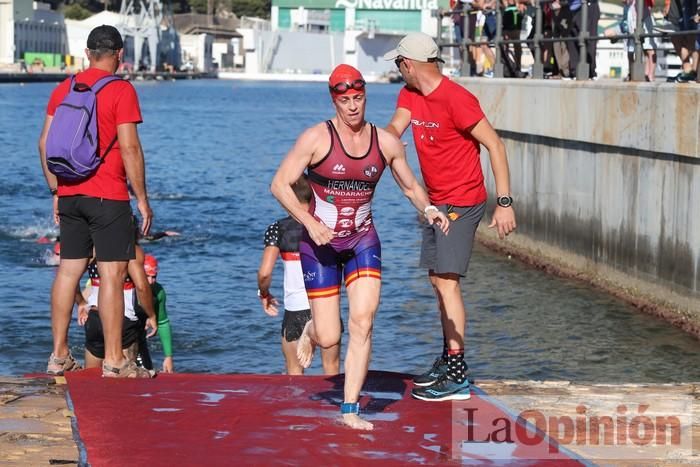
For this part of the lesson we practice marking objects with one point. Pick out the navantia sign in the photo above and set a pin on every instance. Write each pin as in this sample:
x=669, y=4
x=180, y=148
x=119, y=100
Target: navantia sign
x=388, y=4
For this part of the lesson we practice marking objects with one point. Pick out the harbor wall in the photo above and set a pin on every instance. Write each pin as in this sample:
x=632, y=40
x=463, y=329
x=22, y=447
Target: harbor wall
x=606, y=181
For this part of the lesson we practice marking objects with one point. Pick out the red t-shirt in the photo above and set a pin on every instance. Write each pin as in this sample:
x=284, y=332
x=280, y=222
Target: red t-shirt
x=448, y=154
x=117, y=103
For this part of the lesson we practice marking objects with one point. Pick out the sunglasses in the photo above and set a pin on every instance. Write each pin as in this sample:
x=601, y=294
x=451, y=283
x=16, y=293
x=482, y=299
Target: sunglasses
x=399, y=60
x=357, y=85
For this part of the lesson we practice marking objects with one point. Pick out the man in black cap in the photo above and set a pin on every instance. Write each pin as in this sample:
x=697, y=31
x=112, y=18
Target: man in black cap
x=95, y=211
x=104, y=40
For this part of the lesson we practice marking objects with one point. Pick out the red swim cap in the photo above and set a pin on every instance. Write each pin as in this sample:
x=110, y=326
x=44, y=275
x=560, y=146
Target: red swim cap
x=150, y=265
x=347, y=80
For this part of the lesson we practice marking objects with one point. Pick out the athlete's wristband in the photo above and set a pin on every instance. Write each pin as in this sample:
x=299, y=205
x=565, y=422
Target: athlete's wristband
x=429, y=208
x=261, y=295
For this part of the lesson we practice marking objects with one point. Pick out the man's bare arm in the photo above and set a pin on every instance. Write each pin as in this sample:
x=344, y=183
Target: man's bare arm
x=143, y=289
x=134, y=164
x=503, y=218
x=395, y=155
x=267, y=265
x=50, y=178
x=399, y=122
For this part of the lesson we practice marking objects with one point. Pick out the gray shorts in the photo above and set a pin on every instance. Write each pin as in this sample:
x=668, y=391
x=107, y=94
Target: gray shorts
x=451, y=253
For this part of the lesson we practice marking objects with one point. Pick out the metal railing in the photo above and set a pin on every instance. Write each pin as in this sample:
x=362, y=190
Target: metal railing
x=582, y=67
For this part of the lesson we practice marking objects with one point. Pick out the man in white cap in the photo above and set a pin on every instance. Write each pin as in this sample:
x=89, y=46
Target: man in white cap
x=448, y=127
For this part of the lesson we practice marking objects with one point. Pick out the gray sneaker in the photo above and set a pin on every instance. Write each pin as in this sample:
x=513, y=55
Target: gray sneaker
x=443, y=390
x=438, y=369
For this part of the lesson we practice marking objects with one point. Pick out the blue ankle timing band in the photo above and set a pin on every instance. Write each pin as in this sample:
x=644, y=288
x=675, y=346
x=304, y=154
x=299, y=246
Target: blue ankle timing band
x=350, y=407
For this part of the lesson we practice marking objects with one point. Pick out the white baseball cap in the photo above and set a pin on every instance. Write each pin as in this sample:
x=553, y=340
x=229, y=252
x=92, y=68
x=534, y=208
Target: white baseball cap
x=416, y=46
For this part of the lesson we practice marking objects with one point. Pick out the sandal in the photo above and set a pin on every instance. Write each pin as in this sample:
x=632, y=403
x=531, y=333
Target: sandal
x=57, y=366
x=128, y=370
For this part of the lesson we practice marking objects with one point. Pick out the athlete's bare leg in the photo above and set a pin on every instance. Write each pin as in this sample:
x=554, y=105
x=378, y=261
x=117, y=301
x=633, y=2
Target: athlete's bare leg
x=289, y=349
x=363, y=298
x=330, y=359
x=452, y=312
x=323, y=329
x=111, y=300
x=131, y=352
x=91, y=361
x=62, y=300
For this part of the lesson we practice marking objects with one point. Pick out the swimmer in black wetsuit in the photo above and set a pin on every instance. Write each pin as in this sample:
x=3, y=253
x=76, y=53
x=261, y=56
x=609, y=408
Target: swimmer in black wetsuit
x=152, y=237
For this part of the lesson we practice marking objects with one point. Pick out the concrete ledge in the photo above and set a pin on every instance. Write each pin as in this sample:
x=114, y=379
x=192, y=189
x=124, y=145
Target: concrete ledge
x=663, y=118
x=32, y=77
x=605, y=181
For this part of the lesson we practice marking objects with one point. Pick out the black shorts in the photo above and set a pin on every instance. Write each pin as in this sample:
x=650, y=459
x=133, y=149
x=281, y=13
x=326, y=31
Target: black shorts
x=94, y=337
x=107, y=225
x=293, y=324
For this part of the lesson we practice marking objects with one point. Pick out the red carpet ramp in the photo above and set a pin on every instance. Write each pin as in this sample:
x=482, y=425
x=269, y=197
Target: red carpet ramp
x=200, y=419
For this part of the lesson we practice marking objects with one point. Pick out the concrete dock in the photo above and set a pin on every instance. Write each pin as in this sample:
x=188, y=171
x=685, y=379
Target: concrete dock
x=35, y=422
x=57, y=76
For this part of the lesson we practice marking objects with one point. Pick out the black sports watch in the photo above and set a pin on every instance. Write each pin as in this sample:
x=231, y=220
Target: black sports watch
x=504, y=201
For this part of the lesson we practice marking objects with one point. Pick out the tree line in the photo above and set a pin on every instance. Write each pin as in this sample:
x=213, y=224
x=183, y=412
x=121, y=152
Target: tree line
x=81, y=9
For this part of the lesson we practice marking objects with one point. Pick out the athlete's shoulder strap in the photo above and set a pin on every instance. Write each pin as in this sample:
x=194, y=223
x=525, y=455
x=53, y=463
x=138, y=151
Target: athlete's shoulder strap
x=375, y=133
x=332, y=131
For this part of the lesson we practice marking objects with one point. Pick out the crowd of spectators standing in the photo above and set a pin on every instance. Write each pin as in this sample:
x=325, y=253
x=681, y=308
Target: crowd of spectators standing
x=475, y=23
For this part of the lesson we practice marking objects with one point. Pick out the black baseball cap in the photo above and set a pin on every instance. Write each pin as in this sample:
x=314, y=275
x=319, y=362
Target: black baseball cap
x=105, y=37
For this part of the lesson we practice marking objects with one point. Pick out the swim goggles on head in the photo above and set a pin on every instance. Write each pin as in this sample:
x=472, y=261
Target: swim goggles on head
x=357, y=85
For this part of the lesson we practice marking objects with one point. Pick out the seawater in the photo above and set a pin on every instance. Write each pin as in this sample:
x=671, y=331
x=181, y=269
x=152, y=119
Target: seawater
x=211, y=149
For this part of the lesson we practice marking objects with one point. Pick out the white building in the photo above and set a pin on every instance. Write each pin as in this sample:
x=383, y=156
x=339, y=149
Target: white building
x=197, y=49
x=7, y=32
x=30, y=27
x=311, y=37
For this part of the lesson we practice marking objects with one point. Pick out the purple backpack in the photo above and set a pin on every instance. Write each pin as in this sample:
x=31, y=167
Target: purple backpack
x=72, y=147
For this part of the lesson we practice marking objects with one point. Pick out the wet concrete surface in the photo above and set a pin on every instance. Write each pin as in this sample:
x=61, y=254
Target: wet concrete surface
x=35, y=423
